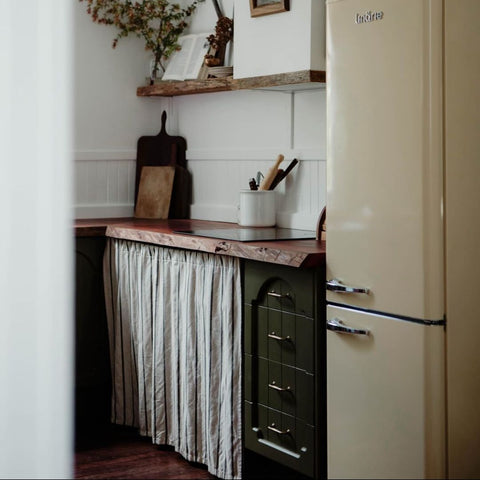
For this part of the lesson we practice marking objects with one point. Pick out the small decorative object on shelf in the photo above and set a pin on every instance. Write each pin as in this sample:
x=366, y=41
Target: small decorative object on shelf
x=267, y=7
x=218, y=42
x=159, y=22
x=219, y=72
x=155, y=72
x=215, y=58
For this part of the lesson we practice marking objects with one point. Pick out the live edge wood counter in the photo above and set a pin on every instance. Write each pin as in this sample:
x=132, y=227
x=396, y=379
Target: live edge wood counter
x=294, y=253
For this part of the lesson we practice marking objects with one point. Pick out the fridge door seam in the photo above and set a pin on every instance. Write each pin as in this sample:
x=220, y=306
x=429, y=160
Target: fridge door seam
x=439, y=322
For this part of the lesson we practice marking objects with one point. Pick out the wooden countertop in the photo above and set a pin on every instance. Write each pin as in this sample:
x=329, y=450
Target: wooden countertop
x=295, y=253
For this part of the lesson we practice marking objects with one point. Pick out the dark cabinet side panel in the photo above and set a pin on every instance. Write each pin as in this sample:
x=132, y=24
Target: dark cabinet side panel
x=92, y=365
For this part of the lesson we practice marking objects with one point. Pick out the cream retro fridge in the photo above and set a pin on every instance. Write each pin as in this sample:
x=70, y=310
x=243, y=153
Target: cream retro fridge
x=403, y=237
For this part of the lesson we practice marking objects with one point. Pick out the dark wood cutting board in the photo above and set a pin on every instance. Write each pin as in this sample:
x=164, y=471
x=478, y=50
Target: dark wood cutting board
x=166, y=150
x=181, y=194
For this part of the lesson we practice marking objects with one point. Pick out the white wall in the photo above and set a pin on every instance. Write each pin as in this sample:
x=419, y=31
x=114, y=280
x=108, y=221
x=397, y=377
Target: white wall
x=109, y=117
x=230, y=136
x=36, y=279
x=281, y=42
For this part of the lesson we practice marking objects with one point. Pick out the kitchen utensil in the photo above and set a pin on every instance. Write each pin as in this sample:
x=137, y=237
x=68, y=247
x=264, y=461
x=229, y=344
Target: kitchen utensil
x=282, y=174
x=278, y=178
x=269, y=177
x=154, y=192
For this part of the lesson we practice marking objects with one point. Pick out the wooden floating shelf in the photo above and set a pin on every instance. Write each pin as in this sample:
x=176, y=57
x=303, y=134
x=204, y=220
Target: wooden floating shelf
x=302, y=80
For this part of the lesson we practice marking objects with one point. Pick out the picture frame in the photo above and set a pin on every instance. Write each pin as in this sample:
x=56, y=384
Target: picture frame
x=259, y=8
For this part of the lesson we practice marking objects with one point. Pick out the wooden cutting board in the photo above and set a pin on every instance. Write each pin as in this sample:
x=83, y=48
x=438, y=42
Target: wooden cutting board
x=166, y=150
x=159, y=150
x=155, y=192
x=181, y=194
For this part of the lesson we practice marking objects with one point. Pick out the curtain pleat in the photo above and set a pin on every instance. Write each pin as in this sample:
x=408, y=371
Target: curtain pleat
x=174, y=320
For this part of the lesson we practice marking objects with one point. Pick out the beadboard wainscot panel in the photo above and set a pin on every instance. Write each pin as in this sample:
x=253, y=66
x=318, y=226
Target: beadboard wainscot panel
x=104, y=183
x=299, y=199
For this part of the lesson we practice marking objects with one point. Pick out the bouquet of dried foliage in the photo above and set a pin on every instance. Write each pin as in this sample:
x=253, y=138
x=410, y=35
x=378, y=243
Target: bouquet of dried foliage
x=158, y=22
x=223, y=34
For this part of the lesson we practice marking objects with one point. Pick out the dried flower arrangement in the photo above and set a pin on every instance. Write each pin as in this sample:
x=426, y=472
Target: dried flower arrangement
x=158, y=22
x=218, y=42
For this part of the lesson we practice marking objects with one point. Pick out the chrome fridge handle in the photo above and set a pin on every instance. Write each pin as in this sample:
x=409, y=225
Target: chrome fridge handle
x=336, y=325
x=335, y=285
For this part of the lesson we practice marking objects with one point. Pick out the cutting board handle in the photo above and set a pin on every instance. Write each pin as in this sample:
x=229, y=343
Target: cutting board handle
x=163, y=130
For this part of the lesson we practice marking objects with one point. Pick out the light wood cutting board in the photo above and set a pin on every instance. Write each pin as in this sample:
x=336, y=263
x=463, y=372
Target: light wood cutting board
x=154, y=192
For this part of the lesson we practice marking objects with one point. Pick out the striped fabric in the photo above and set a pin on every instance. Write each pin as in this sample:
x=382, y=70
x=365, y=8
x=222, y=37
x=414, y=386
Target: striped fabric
x=174, y=320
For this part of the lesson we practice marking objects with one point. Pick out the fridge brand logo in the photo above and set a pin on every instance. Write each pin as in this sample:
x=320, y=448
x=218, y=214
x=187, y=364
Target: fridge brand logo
x=368, y=17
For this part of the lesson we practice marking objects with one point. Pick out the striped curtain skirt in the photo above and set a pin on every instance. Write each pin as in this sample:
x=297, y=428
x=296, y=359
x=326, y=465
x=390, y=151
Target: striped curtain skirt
x=174, y=320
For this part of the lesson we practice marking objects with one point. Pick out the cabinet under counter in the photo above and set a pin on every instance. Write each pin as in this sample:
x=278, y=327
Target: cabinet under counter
x=284, y=365
x=297, y=264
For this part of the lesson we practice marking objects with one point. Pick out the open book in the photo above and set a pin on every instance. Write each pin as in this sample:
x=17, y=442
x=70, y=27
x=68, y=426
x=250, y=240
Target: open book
x=187, y=62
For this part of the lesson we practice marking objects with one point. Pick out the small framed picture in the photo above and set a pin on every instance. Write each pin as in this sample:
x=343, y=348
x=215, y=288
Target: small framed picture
x=267, y=7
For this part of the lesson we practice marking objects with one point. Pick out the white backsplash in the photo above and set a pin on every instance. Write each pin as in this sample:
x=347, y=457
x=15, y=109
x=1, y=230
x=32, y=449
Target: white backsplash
x=104, y=187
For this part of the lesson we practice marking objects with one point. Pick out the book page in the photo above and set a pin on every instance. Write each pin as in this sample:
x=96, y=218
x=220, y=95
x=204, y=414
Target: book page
x=186, y=63
x=199, y=50
x=179, y=60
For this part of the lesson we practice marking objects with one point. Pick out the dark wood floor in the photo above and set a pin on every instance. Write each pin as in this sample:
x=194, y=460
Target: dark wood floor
x=119, y=452
x=122, y=453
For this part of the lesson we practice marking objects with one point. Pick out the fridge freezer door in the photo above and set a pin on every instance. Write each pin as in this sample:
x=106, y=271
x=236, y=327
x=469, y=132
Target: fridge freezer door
x=385, y=398
x=384, y=155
